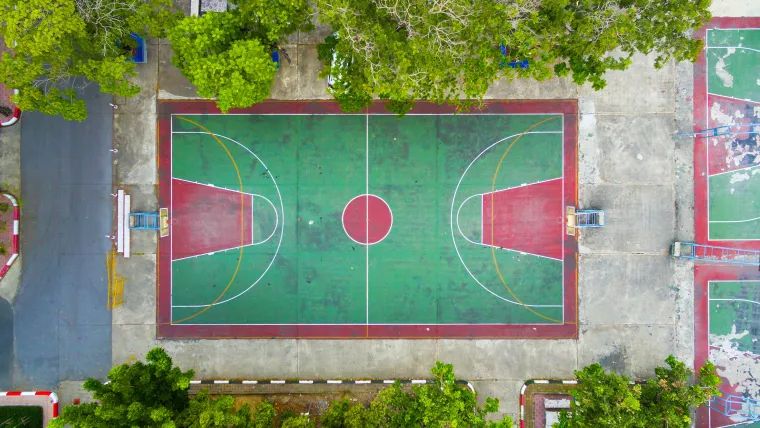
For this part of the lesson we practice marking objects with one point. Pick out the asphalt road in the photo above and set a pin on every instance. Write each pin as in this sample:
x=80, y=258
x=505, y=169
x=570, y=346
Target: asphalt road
x=62, y=328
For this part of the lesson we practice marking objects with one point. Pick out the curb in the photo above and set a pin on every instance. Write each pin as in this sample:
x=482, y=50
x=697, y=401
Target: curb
x=326, y=381
x=16, y=217
x=531, y=382
x=16, y=115
x=53, y=397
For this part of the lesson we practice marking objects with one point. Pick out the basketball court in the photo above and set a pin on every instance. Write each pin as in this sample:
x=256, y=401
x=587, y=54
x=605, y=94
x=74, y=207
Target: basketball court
x=291, y=219
x=727, y=94
x=727, y=213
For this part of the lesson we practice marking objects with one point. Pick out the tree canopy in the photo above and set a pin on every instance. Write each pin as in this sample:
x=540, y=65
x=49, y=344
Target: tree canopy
x=228, y=55
x=610, y=400
x=156, y=395
x=443, y=404
x=452, y=50
x=137, y=394
x=61, y=46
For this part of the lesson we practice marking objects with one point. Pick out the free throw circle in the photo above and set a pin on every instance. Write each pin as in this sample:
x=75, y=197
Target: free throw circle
x=367, y=219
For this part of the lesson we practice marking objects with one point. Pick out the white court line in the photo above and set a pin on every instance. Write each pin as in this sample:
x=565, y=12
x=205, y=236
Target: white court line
x=276, y=218
x=481, y=230
x=212, y=186
x=366, y=213
x=734, y=300
x=732, y=47
x=453, y=200
x=732, y=98
x=733, y=170
x=734, y=221
x=171, y=216
x=707, y=125
x=362, y=114
x=385, y=324
x=282, y=225
x=342, y=216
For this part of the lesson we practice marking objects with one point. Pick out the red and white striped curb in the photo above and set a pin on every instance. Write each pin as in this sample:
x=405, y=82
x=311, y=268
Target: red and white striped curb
x=531, y=382
x=16, y=115
x=52, y=395
x=16, y=216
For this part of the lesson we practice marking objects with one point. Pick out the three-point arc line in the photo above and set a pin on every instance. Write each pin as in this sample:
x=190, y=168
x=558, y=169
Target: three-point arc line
x=493, y=249
x=282, y=223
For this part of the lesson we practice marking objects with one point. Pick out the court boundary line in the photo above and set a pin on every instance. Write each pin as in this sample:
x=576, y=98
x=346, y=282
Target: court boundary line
x=282, y=226
x=484, y=331
x=707, y=123
x=364, y=114
x=453, y=199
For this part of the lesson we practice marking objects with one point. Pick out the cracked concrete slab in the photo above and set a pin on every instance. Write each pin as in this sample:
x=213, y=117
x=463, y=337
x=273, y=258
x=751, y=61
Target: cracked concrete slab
x=640, y=89
x=634, y=350
x=639, y=219
x=635, y=149
x=626, y=289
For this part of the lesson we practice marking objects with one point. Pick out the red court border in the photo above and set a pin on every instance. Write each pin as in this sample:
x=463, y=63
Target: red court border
x=703, y=274
x=701, y=209
x=568, y=330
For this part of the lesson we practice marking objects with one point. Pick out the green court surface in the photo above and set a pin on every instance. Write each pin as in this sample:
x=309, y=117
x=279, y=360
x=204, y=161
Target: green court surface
x=733, y=98
x=734, y=326
x=317, y=225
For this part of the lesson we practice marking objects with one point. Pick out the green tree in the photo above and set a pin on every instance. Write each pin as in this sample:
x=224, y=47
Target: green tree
x=609, y=400
x=444, y=403
x=62, y=46
x=449, y=50
x=205, y=412
x=137, y=395
x=228, y=55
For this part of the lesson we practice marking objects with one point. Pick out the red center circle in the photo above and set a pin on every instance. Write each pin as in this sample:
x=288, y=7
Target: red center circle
x=367, y=219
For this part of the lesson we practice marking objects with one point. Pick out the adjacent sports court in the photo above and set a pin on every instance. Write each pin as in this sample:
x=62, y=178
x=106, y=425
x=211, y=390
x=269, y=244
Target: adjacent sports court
x=727, y=98
x=294, y=220
x=727, y=323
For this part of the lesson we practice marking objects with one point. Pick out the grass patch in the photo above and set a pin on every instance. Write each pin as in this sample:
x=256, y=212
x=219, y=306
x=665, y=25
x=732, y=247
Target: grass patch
x=21, y=417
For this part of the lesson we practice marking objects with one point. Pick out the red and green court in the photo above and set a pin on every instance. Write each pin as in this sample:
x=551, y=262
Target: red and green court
x=727, y=213
x=292, y=219
x=727, y=168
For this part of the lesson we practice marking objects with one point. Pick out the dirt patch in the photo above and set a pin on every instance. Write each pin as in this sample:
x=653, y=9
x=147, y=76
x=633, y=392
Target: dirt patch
x=314, y=404
x=298, y=399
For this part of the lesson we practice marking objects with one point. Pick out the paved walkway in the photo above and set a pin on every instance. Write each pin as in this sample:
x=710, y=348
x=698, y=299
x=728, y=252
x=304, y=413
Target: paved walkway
x=62, y=328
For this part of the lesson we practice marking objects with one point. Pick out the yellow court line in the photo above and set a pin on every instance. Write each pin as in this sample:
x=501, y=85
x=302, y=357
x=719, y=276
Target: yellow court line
x=242, y=222
x=493, y=249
